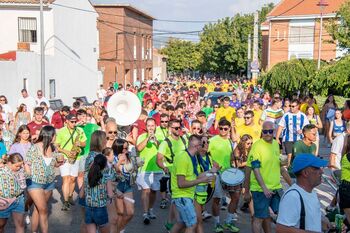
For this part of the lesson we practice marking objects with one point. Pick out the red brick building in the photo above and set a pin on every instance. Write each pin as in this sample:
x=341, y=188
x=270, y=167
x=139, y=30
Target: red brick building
x=125, y=42
x=292, y=30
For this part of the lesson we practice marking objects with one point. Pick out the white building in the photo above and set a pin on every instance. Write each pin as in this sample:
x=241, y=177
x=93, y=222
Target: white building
x=71, y=49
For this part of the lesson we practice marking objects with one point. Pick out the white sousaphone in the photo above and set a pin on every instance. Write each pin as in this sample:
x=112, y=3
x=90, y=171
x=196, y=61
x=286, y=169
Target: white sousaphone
x=124, y=107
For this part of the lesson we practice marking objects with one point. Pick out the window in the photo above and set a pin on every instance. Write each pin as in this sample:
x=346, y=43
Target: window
x=143, y=75
x=25, y=83
x=143, y=48
x=27, y=30
x=52, y=83
x=301, y=35
x=135, y=75
x=135, y=52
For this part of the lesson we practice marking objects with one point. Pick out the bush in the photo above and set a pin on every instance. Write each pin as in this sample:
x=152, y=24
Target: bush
x=333, y=79
x=290, y=76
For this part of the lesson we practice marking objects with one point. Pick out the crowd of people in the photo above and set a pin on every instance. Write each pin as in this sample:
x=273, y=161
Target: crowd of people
x=181, y=144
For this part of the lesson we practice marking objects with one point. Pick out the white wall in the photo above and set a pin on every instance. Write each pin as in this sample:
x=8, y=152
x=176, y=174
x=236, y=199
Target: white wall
x=9, y=30
x=71, y=53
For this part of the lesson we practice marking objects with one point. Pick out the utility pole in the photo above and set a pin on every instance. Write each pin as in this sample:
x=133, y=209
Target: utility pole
x=255, y=63
x=322, y=4
x=249, y=74
x=42, y=47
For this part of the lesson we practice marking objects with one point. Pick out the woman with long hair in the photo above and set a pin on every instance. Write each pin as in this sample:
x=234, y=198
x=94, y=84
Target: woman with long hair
x=12, y=182
x=40, y=163
x=22, y=141
x=97, y=192
x=124, y=166
x=21, y=145
x=337, y=126
x=22, y=117
x=316, y=120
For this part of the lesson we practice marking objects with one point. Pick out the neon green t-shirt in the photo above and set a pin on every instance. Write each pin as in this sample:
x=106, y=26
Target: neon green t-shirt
x=177, y=147
x=149, y=155
x=345, y=169
x=182, y=166
x=63, y=137
x=89, y=128
x=220, y=150
x=266, y=157
x=161, y=133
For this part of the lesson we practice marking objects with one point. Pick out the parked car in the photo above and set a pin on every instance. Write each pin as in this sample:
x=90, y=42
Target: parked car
x=214, y=96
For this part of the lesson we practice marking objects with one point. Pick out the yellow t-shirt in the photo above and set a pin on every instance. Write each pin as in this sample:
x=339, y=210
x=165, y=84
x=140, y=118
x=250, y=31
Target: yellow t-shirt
x=257, y=116
x=266, y=157
x=239, y=121
x=228, y=113
x=182, y=166
x=254, y=131
x=220, y=150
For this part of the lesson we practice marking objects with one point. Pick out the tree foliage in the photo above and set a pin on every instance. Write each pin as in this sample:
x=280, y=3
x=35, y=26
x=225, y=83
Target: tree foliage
x=223, y=45
x=182, y=55
x=290, y=76
x=333, y=78
x=339, y=28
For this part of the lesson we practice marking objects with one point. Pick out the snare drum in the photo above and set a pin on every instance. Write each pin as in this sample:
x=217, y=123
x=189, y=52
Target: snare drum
x=230, y=178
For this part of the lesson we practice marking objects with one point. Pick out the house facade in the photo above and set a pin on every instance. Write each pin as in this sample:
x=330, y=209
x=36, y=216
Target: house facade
x=71, y=49
x=125, y=39
x=292, y=30
x=159, y=66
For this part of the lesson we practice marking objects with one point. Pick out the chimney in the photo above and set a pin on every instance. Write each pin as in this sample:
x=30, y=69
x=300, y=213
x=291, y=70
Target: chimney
x=23, y=46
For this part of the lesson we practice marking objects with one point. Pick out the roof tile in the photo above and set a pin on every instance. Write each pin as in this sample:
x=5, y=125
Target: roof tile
x=26, y=1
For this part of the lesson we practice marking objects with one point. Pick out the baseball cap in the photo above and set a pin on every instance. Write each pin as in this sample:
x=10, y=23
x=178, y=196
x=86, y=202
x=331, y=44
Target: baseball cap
x=71, y=117
x=302, y=161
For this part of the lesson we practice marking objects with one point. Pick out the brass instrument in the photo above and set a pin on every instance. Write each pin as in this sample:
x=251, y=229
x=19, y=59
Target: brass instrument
x=72, y=157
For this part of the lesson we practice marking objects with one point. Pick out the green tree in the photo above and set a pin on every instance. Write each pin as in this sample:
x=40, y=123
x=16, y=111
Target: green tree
x=340, y=31
x=290, y=76
x=182, y=55
x=223, y=45
x=333, y=78
x=263, y=12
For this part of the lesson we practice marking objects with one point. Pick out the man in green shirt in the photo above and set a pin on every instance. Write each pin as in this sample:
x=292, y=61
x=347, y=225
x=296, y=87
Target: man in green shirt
x=221, y=150
x=166, y=155
x=307, y=144
x=68, y=139
x=149, y=174
x=162, y=130
x=184, y=178
x=264, y=182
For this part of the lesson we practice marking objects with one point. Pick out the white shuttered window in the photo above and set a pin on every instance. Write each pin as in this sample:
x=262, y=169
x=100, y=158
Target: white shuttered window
x=27, y=30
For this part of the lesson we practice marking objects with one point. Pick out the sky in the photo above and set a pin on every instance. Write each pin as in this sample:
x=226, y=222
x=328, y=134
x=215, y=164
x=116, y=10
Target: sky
x=189, y=10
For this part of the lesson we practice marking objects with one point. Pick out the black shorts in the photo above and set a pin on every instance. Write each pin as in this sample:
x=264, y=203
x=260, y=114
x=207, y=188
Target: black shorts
x=344, y=195
x=288, y=147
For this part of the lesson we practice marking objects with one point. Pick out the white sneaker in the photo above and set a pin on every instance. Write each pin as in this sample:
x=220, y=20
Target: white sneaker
x=27, y=219
x=151, y=215
x=235, y=217
x=206, y=215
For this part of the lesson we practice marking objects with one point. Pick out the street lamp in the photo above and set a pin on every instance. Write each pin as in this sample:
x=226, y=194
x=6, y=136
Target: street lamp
x=322, y=4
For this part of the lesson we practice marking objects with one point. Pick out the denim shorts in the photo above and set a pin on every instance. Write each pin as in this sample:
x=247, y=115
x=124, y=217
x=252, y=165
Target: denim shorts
x=17, y=206
x=261, y=204
x=124, y=187
x=187, y=211
x=33, y=185
x=96, y=215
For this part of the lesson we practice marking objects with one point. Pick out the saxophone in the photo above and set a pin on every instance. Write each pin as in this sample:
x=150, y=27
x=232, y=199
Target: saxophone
x=72, y=157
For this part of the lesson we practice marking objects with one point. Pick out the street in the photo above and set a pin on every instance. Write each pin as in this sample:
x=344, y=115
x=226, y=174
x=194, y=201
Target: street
x=60, y=221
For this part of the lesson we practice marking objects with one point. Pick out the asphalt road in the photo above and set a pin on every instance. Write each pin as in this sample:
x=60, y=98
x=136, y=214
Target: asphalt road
x=60, y=221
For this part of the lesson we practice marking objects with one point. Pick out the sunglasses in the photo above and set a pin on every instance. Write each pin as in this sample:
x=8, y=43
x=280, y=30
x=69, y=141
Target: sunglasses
x=216, y=106
x=2, y=99
x=112, y=132
x=224, y=128
x=293, y=106
x=176, y=128
x=247, y=117
x=73, y=122
x=267, y=131
x=164, y=121
x=196, y=128
x=205, y=143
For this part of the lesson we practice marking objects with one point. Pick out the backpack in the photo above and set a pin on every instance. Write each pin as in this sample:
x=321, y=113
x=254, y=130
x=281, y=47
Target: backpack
x=302, y=210
x=171, y=149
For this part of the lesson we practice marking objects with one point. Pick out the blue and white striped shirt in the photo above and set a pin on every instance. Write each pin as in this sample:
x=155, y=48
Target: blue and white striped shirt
x=292, y=122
